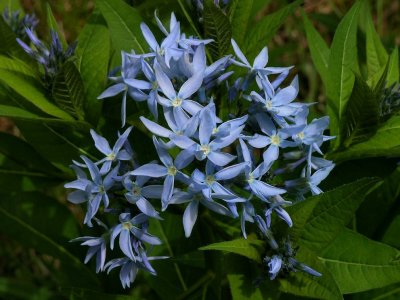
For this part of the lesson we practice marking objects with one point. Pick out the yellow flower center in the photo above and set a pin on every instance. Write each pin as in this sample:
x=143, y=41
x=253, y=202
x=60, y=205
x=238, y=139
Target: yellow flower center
x=300, y=135
x=172, y=171
x=177, y=102
x=127, y=226
x=268, y=104
x=205, y=149
x=275, y=140
x=210, y=179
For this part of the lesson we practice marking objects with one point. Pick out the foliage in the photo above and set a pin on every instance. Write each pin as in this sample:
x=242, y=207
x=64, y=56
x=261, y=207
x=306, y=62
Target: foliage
x=349, y=233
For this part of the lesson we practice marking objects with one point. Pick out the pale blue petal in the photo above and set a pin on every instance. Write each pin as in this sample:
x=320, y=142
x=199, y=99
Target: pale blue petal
x=190, y=217
x=192, y=107
x=145, y=237
x=149, y=37
x=112, y=91
x=220, y=158
x=152, y=191
x=155, y=128
x=100, y=143
x=239, y=53
x=262, y=59
x=138, y=84
x=165, y=83
x=125, y=243
x=146, y=208
x=151, y=170
x=191, y=86
x=230, y=172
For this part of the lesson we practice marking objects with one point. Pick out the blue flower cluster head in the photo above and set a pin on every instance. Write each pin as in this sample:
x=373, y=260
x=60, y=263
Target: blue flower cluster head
x=226, y=165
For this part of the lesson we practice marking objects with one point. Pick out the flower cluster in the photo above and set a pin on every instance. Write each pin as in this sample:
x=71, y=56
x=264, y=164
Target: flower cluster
x=50, y=57
x=18, y=23
x=226, y=164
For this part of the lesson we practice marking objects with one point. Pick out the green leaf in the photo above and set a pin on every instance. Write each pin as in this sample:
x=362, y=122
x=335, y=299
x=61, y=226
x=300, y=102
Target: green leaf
x=124, y=24
x=391, y=236
x=375, y=213
x=334, y=210
x=342, y=60
x=11, y=5
x=359, y=264
x=24, y=154
x=242, y=288
x=38, y=210
x=376, y=54
x=20, y=114
x=216, y=27
x=32, y=94
x=84, y=294
x=9, y=43
x=93, y=53
x=393, y=72
x=302, y=284
x=318, y=48
x=17, y=66
x=68, y=90
x=362, y=115
x=52, y=23
x=263, y=31
x=249, y=248
x=391, y=292
x=239, y=16
x=11, y=288
x=385, y=142
x=73, y=271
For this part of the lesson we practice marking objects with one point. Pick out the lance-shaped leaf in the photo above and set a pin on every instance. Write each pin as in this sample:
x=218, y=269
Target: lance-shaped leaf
x=245, y=247
x=334, y=209
x=385, y=142
x=342, y=60
x=361, y=118
x=393, y=75
x=33, y=94
x=217, y=27
x=93, y=53
x=318, y=48
x=52, y=23
x=74, y=272
x=376, y=54
x=266, y=28
x=124, y=24
x=301, y=284
x=359, y=264
x=240, y=17
x=68, y=90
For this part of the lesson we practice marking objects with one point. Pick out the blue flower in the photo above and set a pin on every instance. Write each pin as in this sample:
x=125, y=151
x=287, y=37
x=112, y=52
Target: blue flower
x=279, y=103
x=97, y=246
x=209, y=185
x=93, y=191
x=207, y=148
x=169, y=170
x=129, y=268
x=274, y=138
x=179, y=101
x=137, y=194
x=259, y=64
x=274, y=265
x=114, y=154
x=194, y=197
x=261, y=189
x=129, y=230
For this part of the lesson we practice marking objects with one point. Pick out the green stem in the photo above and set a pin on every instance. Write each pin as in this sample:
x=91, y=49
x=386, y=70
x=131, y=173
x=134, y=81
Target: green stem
x=170, y=252
x=205, y=279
